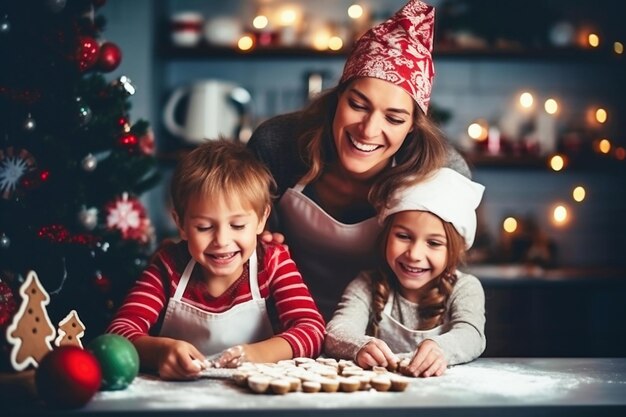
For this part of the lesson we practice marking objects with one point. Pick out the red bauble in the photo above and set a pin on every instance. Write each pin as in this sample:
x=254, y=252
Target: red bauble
x=102, y=282
x=128, y=141
x=110, y=57
x=146, y=143
x=68, y=377
x=8, y=306
x=87, y=52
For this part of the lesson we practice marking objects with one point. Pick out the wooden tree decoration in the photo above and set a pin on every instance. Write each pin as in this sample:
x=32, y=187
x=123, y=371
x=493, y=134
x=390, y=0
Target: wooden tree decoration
x=31, y=331
x=70, y=330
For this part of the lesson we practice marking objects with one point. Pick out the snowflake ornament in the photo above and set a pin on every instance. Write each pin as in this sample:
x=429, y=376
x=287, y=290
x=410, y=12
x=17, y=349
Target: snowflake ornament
x=129, y=216
x=14, y=164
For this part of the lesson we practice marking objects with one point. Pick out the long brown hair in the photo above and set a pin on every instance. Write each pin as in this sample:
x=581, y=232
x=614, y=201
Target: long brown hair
x=432, y=304
x=423, y=150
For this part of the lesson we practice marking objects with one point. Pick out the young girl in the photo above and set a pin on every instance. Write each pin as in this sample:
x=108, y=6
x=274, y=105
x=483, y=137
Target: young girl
x=210, y=293
x=416, y=304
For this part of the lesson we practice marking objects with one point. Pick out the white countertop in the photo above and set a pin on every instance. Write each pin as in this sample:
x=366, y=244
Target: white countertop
x=548, y=386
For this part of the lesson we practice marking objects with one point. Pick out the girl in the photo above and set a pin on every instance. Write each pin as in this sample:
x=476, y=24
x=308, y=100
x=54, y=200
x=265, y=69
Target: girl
x=416, y=304
x=216, y=290
x=344, y=154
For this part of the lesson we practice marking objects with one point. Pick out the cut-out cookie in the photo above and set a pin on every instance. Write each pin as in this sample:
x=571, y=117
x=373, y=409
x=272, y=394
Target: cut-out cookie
x=71, y=329
x=31, y=331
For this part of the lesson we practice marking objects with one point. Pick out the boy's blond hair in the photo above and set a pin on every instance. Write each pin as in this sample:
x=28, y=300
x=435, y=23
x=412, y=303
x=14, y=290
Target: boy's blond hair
x=225, y=168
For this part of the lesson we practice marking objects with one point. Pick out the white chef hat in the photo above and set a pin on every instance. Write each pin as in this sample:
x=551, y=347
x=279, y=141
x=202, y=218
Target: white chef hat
x=447, y=194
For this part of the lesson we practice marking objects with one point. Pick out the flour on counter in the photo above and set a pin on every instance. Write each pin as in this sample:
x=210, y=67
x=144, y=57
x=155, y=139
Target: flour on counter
x=472, y=384
x=504, y=380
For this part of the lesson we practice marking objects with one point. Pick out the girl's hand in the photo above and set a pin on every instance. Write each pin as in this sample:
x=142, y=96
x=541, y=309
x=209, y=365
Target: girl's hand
x=428, y=360
x=269, y=237
x=179, y=360
x=375, y=353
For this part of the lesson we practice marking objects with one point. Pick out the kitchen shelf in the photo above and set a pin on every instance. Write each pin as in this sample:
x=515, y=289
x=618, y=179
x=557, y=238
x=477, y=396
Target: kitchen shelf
x=205, y=51
x=536, y=162
x=530, y=162
x=506, y=161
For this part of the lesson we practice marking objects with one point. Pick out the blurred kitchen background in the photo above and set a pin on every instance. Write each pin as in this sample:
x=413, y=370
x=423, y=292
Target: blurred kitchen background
x=531, y=93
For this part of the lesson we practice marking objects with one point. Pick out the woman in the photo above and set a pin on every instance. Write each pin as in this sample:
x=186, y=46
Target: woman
x=338, y=161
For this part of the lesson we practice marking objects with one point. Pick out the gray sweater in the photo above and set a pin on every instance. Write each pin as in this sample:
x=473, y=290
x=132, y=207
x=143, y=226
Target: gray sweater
x=463, y=339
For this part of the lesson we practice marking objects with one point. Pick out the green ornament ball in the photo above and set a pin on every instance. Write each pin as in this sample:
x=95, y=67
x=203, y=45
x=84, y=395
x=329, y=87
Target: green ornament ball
x=118, y=359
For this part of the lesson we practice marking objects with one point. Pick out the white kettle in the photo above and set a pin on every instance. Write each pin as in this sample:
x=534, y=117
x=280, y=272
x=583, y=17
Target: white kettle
x=215, y=108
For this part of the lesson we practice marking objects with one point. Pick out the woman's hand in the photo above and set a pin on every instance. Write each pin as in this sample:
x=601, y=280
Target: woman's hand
x=269, y=237
x=179, y=360
x=376, y=353
x=428, y=360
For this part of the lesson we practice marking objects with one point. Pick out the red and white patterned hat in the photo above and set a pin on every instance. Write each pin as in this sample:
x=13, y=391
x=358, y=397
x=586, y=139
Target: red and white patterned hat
x=399, y=51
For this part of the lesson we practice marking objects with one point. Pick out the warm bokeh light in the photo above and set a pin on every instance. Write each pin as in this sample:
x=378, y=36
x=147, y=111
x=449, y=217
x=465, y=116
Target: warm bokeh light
x=618, y=47
x=579, y=193
x=601, y=115
x=260, y=22
x=620, y=153
x=557, y=162
x=604, y=146
x=594, y=40
x=526, y=100
x=287, y=17
x=478, y=130
x=551, y=106
x=509, y=224
x=335, y=43
x=355, y=11
x=245, y=43
x=560, y=215
x=320, y=40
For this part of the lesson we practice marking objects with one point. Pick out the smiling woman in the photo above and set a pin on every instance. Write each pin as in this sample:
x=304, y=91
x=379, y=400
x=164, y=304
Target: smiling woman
x=372, y=120
x=338, y=161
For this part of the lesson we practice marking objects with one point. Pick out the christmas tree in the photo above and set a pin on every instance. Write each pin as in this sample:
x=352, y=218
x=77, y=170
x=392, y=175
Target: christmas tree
x=72, y=164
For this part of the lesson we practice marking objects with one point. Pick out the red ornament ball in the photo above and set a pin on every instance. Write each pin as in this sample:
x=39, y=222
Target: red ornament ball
x=8, y=305
x=110, y=57
x=68, y=377
x=102, y=283
x=128, y=141
x=87, y=53
x=118, y=360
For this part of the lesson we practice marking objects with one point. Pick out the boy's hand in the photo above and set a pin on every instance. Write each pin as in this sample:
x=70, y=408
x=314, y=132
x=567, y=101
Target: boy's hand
x=428, y=360
x=376, y=353
x=179, y=360
x=231, y=357
x=269, y=237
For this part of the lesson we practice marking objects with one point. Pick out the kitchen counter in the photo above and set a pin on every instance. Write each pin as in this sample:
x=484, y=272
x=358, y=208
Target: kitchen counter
x=512, y=274
x=561, y=312
x=485, y=387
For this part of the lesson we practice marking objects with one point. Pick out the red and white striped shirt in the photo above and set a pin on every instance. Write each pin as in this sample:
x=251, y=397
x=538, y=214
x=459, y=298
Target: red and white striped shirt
x=280, y=283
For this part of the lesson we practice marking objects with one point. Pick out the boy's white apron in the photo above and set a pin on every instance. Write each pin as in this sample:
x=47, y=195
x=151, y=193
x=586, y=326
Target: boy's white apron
x=211, y=333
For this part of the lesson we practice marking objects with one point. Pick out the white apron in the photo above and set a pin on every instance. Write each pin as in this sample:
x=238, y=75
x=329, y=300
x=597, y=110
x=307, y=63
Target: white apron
x=211, y=333
x=328, y=253
x=398, y=337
